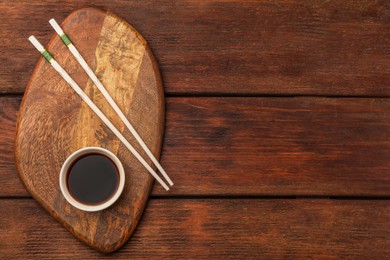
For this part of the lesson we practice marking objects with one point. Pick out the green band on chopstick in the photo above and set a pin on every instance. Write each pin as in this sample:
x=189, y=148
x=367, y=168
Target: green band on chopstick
x=65, y=39
x=47, y=55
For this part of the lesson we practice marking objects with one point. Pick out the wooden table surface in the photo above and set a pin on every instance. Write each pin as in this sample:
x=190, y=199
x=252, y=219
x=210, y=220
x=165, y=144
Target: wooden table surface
x=277, y=130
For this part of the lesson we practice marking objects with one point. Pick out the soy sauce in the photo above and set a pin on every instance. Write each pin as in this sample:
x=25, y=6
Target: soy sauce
x=92, y=179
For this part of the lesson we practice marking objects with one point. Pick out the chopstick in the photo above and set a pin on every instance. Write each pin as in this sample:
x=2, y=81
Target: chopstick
x=68, y=43
x=94, y=108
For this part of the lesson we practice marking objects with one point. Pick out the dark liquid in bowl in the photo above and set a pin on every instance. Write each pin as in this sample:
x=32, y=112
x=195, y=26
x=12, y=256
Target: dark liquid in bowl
x=92, y=179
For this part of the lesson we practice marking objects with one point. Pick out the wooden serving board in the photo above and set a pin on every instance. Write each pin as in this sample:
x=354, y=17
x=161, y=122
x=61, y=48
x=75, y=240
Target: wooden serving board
x=54, y=122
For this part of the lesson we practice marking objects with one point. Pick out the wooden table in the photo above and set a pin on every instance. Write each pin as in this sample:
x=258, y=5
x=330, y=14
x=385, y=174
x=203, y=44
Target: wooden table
x=277, y=130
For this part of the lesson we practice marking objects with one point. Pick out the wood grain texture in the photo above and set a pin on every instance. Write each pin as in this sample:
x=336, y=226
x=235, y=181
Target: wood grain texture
x=54, y=122
x=210, y=229
x=259, y=146
x=334, y=47
x=234, y=146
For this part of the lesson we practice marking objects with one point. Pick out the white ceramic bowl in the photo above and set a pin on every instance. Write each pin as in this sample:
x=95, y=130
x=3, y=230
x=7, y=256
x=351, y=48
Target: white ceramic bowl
x=69, y=161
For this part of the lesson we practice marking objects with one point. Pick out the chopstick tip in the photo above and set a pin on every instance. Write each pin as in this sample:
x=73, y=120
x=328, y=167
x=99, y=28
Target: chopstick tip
x=56, y=26
x=36, y=43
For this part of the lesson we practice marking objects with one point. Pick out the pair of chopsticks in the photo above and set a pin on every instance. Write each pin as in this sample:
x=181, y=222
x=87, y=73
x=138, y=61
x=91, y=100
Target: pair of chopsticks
x=49, y=58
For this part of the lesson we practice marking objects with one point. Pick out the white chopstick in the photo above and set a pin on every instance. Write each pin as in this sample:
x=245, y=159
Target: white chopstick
x=94, y=108
x=65, y=39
